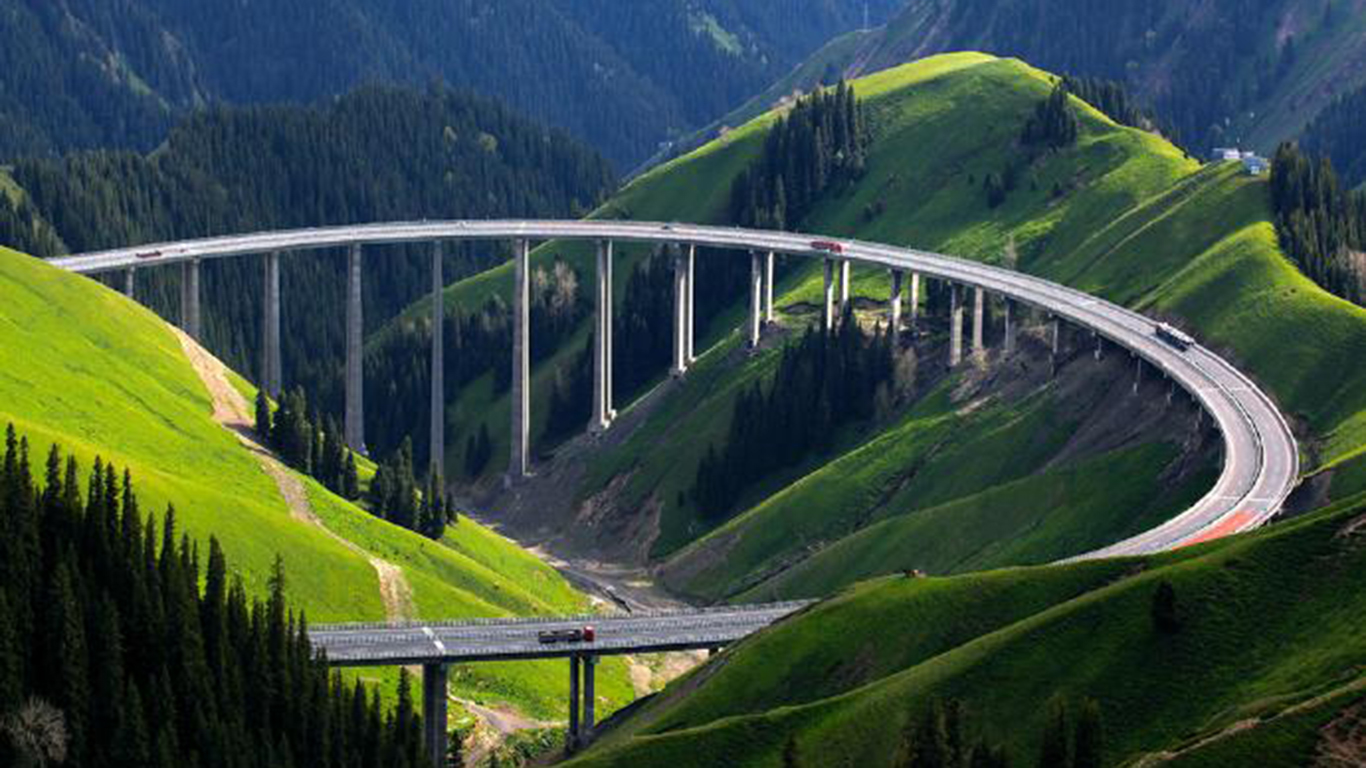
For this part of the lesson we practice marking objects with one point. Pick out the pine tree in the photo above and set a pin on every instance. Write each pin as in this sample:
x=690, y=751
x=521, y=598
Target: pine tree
x=263, y=428
x=1089, y=738
x=351, y=479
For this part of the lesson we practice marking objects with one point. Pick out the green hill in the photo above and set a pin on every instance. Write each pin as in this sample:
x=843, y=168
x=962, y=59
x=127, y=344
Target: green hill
x=1267, y=650
x=1122, y=213
x=102, y=376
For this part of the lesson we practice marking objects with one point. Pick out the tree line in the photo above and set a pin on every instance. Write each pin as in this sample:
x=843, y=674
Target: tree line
x=307, y=441
x=372, y=155
x=825, y=382
x=1321, y=225
x=819, y=145
x=1339, y=133
x=120, y=647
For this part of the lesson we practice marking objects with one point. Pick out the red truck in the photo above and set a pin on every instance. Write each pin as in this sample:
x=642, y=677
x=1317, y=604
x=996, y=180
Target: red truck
x=827, y=246
x=577, y=635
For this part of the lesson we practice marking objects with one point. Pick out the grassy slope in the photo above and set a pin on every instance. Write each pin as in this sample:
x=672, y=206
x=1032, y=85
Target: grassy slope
x=1257, y=637
x=86, y=368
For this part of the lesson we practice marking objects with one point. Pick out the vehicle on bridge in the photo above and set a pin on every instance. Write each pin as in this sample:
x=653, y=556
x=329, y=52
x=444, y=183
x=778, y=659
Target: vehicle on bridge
x=827, y=246
x=577, y=635
x=1174, y=337
x=149, y=255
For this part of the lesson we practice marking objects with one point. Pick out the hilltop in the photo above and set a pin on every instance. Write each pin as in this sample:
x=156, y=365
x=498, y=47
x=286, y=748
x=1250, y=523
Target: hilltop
x=1222, y=73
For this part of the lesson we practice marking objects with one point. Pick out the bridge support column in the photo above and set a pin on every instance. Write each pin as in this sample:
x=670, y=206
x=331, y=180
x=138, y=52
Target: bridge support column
x=189, y=299
x=1056, y=344
x=680, y=363
x=1010, y=327
x=518, y=464
x=434, y=712
x=571, y=736
x=130, y=283
x=691, y=321
x=979, y=321
x=895, y=303
x=438, y=415
x=271, y=362
x=355, y=374
x=590, y=666
x=1138, y=373
x=915, y=298
x=756, y=289
x=844, y=286
x=1100, y=345
x=828, y=310
x=768, y=288
x=602, y=343
x=955, y=325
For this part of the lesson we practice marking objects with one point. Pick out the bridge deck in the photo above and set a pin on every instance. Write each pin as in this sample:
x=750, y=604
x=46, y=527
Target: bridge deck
x=518, y=639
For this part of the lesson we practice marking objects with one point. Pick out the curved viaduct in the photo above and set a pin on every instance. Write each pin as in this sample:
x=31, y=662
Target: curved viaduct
x=1261, y=460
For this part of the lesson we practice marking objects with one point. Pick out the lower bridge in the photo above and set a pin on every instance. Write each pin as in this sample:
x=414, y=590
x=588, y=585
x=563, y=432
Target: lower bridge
x=436, y=645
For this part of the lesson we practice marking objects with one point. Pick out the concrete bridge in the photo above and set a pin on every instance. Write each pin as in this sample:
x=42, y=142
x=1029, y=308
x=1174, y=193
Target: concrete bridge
x=1261, y=460
x=435, y=646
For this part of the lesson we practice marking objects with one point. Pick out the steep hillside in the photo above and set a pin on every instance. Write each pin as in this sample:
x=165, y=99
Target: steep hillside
x=102, y=376
x=1221, y=73
x=1121, y=213
x=1264, y=652
x=623, y=76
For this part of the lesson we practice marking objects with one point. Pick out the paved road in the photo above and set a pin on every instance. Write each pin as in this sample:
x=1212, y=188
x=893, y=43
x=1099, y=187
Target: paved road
x=1261, y=460
x=518, y=639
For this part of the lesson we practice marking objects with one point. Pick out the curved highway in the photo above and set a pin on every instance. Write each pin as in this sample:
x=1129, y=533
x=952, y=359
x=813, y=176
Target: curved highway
x=1261, y=459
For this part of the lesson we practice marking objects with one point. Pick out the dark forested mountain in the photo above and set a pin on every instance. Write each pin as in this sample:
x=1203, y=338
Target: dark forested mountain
x=377, y=154
x=1321, y=225
x=1339, y=133
x=1216, y=72
x=622, y=75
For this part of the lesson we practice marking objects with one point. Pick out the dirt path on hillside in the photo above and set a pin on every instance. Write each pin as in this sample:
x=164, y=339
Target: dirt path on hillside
x=231, y=410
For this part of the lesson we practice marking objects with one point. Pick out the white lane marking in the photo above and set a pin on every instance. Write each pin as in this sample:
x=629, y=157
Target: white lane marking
x=440, y=646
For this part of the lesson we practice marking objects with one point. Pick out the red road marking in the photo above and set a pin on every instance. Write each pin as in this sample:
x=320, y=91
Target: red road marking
x=1228, y=526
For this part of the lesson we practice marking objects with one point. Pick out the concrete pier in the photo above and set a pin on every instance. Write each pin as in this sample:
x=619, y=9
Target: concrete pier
x=518, y=461
x=768, y=288
x=979, y=322
x=828, y=310
x=692, y=306
x=355, y=354
x=434, y=712
x=915, y=298
x=1056, y=333
x=844, y=286
x=1100, y=345
x=1009, y=341
x=680, y=324
x=130, y=283
x=955, y=325
x=894, y=303
x=602, y=343
x=190, y=319
x=571, y=735
x=1138, y=373
x=438, y=414
x=590, y=665
x=271, y=362
x=756, y=298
